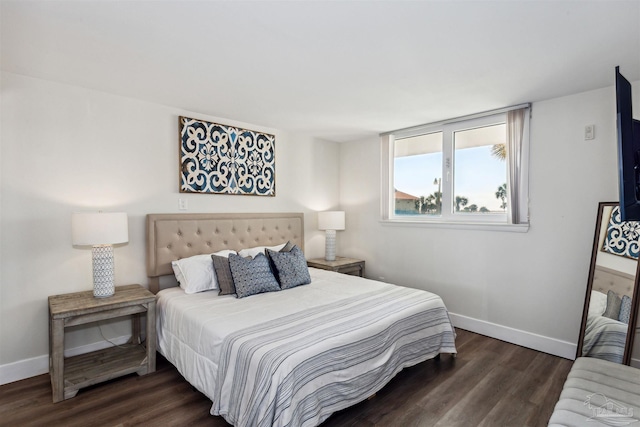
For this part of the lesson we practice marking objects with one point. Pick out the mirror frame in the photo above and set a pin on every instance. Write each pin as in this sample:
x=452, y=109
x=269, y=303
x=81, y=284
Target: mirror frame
x=631, y=328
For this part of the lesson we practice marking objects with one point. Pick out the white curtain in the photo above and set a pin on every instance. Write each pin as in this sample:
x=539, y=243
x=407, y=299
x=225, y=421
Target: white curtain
x=516, y=180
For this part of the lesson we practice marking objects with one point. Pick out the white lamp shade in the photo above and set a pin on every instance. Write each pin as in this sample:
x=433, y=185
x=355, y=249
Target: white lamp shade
x=99, y=228
x=331, y=220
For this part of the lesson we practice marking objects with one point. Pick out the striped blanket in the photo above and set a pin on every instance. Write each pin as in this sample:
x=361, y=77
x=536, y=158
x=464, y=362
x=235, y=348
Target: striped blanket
x=604, y=338
x=298, y=369
x=292, y=358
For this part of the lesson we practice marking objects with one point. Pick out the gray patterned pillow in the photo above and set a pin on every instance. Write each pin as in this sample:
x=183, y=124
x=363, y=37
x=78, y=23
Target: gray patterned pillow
x=625, y=310
x=223, y=275
x=291, y=268
x=252, y=276
x=286, y=248
x=613, y=306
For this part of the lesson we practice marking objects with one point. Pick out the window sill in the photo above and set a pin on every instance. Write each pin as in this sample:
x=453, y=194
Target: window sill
x=486, y=226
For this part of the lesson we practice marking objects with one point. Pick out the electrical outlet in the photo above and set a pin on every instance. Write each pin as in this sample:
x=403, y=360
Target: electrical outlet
x=589, y=132
x=182, y=204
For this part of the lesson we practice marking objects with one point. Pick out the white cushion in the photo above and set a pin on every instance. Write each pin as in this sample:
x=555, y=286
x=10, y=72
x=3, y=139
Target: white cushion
x=195, y=274
x=598, y=393
x=252, y=252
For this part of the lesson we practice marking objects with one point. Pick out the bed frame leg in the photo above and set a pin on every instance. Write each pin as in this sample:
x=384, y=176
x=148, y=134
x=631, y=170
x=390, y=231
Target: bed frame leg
x=438, y=356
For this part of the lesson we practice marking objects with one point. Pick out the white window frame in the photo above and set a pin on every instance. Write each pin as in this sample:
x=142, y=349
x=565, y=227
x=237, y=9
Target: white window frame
x=448, y=218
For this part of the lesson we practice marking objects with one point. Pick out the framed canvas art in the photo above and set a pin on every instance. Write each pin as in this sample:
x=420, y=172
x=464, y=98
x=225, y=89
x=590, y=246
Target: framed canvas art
x=221, y=159
x=622, y=237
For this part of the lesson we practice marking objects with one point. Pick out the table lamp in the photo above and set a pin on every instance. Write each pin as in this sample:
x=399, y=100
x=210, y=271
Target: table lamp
x=330, y=221
x=100, y=231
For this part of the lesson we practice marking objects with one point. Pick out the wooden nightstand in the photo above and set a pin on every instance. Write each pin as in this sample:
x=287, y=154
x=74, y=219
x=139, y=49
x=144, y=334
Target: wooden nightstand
x=352, y=266
x=73, y=373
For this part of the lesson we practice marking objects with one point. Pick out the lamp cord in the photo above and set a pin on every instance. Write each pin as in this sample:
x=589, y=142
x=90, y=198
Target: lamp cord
x=111, y=342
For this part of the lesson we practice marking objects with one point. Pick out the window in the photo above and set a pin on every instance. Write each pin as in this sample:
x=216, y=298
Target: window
x=470, y=170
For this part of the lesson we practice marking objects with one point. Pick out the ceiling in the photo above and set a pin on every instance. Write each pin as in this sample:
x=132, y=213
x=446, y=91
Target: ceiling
x=336, y=70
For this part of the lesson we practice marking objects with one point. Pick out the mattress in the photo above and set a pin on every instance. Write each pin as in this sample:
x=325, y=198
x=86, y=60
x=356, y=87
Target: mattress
x=598, y=393
x=293, y=357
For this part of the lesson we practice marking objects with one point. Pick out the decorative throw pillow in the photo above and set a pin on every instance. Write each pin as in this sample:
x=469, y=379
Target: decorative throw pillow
x=625, y=309
x=252, y=276
x=195, y=273
x=286, y=248
x=252, y=252
x=291, y=268
x=613, y=306
x=223, y=274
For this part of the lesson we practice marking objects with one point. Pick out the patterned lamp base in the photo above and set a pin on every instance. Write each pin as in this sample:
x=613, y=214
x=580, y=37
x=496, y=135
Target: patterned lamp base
x=330, y=245
x=103, y=271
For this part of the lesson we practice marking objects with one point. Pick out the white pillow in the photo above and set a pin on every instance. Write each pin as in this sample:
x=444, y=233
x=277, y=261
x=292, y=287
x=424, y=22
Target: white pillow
x=252, y=252
x=195, y=274
x=597, y=304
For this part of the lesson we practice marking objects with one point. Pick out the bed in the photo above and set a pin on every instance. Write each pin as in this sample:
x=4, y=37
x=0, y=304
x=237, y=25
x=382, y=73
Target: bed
x=605, y=337
x=290, y=357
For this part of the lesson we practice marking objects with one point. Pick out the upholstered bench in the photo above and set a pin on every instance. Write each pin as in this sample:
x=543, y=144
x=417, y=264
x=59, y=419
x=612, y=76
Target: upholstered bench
x=598, y=393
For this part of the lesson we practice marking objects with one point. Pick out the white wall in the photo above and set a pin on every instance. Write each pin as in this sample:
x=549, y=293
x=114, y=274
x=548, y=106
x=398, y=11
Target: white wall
x=527, y=288
x=67, y=149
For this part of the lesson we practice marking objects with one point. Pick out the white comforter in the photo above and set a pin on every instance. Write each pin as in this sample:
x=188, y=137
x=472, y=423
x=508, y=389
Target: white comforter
x=291, y=358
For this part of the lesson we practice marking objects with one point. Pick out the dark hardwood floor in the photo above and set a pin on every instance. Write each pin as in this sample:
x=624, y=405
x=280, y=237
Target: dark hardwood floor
x=490, y=383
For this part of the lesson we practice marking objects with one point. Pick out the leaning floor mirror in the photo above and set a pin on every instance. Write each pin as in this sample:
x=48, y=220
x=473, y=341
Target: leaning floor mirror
x=610, y=309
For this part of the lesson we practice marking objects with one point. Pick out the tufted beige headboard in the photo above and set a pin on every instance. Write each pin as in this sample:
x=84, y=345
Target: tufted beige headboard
x=176, y=236
x=605, y=279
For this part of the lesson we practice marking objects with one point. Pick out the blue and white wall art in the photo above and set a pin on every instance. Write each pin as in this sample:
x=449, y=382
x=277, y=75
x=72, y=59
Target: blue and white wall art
x=622, y=236
x=223, y=159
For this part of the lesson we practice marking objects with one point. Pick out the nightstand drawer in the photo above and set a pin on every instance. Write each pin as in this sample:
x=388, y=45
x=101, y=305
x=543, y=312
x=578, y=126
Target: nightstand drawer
x=352, y=266
x=356, y=270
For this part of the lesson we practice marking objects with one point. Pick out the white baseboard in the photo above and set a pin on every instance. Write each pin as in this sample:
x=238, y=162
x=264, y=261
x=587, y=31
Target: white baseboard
x=635, y=363
x=27, y=368
x=553, y=346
